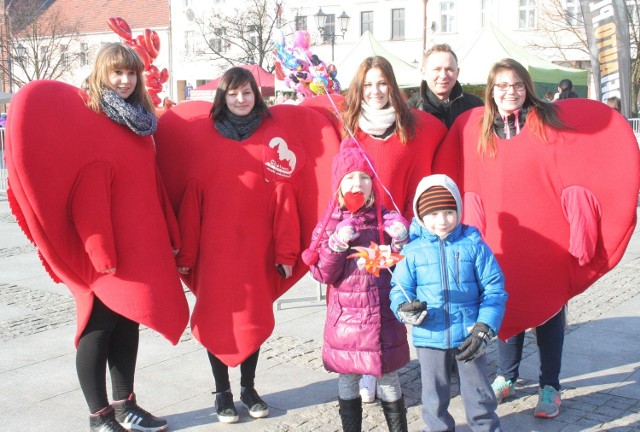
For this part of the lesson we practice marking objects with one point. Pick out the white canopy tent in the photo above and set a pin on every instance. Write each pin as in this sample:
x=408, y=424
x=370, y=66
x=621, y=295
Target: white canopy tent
x=406, y=74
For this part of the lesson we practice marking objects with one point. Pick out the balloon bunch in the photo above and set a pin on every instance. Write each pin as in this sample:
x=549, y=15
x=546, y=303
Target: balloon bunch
x=300, y=69
x=147, y=46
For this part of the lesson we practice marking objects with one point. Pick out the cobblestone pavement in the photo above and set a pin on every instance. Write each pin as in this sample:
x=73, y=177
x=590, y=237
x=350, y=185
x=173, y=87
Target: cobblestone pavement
x=581, y=410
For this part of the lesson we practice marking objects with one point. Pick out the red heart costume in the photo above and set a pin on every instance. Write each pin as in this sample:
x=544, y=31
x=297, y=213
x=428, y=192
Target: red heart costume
x=242, y=207
x=86, y=191
x=558, y=214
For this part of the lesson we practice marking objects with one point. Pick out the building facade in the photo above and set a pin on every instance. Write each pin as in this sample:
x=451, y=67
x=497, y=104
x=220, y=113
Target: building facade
x=404, y=27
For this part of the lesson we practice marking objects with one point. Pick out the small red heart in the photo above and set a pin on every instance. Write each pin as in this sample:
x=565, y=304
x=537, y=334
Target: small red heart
x=354, y=201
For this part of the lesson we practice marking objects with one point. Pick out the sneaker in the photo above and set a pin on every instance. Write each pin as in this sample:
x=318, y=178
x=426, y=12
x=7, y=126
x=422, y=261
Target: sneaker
x=503, y=388
x=132, y=417
x=548, y=402
x=254, y=403
x=104, y=421
x=368, y=388
x=225, y=408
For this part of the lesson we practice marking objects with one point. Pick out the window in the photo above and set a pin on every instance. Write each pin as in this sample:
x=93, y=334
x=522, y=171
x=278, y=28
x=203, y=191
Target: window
x=632, y=8
x=366, y=22
x=527, y=11
x=397, y=24
x=64, y=55
x=44, y=57
x=216, y=43
x=572, y=13
x=447, y=17
x=329, y=28
x=301, y=22
x=84, y=58
x=189, y=38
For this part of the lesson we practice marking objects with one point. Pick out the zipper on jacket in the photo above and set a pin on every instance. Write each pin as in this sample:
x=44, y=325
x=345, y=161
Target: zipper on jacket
x=457, y=255
x=445, y=289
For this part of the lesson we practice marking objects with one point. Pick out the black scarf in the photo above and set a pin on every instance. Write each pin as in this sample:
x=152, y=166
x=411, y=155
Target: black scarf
x=136, y=117
x=235, y=127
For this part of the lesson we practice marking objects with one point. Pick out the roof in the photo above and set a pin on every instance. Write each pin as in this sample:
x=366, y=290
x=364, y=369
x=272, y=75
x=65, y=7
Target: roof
x=92, y=15
x=406, y=74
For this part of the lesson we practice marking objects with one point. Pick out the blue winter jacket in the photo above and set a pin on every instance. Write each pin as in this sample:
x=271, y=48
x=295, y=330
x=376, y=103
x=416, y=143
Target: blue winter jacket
x=458, y=277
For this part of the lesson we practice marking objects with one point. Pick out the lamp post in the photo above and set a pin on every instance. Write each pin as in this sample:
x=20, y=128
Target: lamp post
x=321, y=21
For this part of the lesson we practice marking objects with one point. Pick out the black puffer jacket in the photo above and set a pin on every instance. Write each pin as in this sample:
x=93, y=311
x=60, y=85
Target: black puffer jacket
x=459, y=102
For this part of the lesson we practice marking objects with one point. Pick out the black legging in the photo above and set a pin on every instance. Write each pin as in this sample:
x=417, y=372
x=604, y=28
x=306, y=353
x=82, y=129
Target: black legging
x=108, y=337
x=221, y=372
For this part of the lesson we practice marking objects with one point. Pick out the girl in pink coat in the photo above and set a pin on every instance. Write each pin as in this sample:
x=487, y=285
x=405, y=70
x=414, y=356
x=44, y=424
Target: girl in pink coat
x=361, y=335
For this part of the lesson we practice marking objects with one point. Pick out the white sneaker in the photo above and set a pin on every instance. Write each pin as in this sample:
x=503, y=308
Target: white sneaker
x=368, y=384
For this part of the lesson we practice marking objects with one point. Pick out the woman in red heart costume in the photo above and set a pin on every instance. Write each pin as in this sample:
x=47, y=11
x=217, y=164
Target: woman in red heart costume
x=400, y=140
x=245, y=182
x=553, y=189
x=85, y=188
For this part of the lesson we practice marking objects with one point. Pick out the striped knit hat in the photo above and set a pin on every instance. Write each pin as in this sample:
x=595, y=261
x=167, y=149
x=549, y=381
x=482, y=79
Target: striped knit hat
x=435, y=198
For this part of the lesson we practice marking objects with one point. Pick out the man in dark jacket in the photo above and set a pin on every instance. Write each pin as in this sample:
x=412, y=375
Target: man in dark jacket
x=440, y=92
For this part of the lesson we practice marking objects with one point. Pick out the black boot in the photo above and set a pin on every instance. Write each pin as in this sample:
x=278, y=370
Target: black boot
x=351, y=414
x=396, y=415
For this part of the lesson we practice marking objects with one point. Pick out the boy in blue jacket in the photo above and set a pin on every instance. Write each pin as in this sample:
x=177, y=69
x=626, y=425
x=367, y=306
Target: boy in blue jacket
x=451, y=289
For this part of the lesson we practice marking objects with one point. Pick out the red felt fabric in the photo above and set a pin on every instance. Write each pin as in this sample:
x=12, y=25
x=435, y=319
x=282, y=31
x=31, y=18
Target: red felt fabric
x=86, y=190
x=557, y=214
x=241, y=209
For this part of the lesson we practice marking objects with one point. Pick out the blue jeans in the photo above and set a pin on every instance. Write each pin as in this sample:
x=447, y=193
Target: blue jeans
x=550, y=339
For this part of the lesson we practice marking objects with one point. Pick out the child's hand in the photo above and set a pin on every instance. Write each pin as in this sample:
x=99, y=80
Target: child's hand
x=398, y=229
x=412, y=312
x=396, y=226
x=345, y=233
x=475, y=344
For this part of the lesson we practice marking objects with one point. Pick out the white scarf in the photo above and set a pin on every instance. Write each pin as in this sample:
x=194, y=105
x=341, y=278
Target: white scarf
x=376, y=121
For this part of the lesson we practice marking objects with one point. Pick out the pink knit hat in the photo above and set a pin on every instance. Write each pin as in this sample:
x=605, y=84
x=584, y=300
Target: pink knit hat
x=350, y=158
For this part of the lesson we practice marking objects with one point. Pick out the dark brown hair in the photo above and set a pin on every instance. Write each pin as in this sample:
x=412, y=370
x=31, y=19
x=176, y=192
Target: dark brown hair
x=232, y=79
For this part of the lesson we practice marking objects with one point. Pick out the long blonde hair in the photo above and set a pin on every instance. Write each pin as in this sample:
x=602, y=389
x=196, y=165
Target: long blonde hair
x=541, y=115
x=353, y=100
x=114, y=56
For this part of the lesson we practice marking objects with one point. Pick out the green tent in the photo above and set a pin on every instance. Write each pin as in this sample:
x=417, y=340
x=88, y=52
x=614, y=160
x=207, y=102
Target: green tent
x=478, y=56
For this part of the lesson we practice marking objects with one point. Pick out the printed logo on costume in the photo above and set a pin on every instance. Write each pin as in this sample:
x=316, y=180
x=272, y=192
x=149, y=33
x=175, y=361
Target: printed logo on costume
x=279, y=158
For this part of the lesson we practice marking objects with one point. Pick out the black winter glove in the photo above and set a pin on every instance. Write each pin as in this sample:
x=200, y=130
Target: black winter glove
x=475, y=344
x=412, y=312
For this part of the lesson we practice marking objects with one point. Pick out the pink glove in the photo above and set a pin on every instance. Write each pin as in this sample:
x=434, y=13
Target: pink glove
x=345, y=232
x=397, y=227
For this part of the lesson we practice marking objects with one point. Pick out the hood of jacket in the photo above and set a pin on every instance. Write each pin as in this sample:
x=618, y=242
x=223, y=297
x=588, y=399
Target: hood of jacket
x=437, y=180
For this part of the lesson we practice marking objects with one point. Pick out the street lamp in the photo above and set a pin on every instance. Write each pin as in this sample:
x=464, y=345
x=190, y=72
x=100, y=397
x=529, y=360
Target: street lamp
x=321, y=21
x=21, y=51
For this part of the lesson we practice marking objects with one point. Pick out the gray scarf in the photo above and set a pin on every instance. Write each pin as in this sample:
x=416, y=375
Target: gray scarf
x=237, y=128
x=136, y=117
